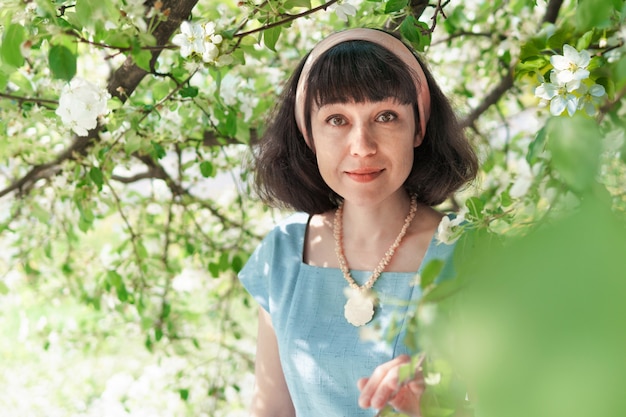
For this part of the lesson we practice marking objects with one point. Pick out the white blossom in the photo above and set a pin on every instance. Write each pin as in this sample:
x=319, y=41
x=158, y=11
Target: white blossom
x=201, y=40
x=190, y=40
x=572, y=65
x=343, y=10
x=591, y=98
x=560, y=95
x=135, y=11
x=570, y=87
x=80, y=104
x=449, y=231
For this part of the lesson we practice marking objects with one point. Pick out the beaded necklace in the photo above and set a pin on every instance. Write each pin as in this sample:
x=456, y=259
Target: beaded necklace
x=359, y=309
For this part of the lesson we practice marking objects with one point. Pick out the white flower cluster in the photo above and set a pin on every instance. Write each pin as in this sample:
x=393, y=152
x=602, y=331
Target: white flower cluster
x=200, y=40
x=80, y=105
x=570, y=87
x=450, y=230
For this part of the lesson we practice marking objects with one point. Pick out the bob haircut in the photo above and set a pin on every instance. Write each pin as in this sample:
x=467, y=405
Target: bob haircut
x=287, y=175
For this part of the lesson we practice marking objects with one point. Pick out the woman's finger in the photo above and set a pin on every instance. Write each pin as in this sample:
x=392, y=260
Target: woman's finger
x=377, y=390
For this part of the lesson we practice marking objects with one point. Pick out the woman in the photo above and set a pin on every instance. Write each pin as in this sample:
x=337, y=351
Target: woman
x=362, y=144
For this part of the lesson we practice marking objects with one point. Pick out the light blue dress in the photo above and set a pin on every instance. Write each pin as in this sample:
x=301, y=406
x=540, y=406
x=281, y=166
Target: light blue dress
x=322, y=355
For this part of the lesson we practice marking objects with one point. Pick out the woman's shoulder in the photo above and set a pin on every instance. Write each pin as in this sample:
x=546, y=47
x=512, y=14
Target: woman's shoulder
x=289, y=230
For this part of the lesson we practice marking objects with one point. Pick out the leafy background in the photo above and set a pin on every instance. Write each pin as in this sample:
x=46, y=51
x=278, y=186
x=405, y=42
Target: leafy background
x=118, y=289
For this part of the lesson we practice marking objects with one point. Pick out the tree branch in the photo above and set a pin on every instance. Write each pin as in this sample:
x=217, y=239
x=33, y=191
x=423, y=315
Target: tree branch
x=461, y=34
x=506, y=82
x=492, y=98
x=121, y=84
x=23, y=100
x=552, y=11
x=288, y=18
x=127, y=77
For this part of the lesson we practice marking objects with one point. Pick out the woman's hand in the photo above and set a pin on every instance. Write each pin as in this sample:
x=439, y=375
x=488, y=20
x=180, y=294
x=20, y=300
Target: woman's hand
x=383, y=387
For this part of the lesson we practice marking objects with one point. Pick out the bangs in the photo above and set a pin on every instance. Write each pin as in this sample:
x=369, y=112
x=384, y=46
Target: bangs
x=359, y=71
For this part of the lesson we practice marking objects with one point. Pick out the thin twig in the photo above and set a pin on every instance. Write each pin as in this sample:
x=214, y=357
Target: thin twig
x=287, y=19
x=22, y=100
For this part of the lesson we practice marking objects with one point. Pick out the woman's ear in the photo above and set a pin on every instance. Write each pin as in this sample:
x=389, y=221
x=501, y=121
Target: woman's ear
x=419, y=138
x=309, y=142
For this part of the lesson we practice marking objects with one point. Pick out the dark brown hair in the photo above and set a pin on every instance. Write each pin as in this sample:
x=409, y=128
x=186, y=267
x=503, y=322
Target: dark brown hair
x=287, y=174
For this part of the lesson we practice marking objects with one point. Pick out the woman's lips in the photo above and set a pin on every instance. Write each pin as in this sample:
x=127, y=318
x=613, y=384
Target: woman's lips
x=364, y=175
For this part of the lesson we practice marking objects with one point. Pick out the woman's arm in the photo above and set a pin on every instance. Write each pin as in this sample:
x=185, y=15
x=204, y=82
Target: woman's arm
x=271, y=396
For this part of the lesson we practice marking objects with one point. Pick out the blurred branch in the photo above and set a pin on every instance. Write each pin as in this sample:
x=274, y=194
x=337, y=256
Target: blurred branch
x=24, y=184
x=552, y=11
x=492, y=98
x=610, y=104
x=464, y=34
x=22, y=100
x=211, y=139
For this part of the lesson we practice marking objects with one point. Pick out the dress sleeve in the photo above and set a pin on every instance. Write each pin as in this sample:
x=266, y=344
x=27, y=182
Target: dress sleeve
x=270, y=273
x=255, y=275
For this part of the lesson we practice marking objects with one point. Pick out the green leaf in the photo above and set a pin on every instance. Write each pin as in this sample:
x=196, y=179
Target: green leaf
x=11, y=43
x=184, y=394
x=229, y=127
x=623, y=151
x=505, y=199
x=442, y=290
x=132, y=144
x=406, y=372
x=214, y=269
x=575, y=146
x=207, y=169
x=189, y=92
x=430, y=272
x=270, y=37
x=537, y=146
x=4, y=290
x=237, y=263
x=4, y=79
x=117, y=39
x=40, y=213
x=530, y=49
x=619, y=74
x=85, y=12
x=117, y=282
x=395, y=5
x=159, y=151
x=584, y=41
x=62, y=62
x=593, y=14
x=475, y=206
x=96, y=176
x=142, y=59
x=289, y=4
x=559, y=38
x=416, y=32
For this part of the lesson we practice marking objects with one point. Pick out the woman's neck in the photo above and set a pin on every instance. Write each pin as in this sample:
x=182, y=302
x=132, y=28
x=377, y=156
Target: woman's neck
x=374, y=223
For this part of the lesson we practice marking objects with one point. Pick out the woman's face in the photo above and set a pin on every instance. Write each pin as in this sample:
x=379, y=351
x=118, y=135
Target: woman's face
x=364, y=150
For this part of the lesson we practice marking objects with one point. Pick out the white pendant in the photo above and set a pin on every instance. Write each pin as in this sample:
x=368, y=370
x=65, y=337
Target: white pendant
x=359, y=308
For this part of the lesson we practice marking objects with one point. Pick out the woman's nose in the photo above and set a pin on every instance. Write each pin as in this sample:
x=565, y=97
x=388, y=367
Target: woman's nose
x=361, y=141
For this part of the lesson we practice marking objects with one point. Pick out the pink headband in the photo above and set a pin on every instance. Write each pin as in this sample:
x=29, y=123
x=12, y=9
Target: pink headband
x=381, y=38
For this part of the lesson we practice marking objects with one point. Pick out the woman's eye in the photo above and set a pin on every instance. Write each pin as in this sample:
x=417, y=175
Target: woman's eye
x=336, y=121
x=386, y=117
